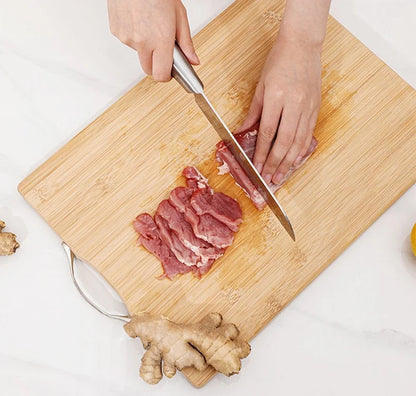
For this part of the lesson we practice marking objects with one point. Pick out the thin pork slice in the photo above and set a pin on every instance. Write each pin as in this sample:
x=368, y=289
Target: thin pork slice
x=184, y=240
x=170, y=238
x=218, y=205
x=247, y=140
x=230, y=165
x=205, y=201
x=195, y=179
x=150, y=239
x=203, y=269
x=205, y=227
x=183, y=230
x=213, y=231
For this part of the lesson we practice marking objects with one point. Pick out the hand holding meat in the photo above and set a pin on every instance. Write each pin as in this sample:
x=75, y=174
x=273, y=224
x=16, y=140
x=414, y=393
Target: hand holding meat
x=287, y=98
x=150, y=27
x=289, y=91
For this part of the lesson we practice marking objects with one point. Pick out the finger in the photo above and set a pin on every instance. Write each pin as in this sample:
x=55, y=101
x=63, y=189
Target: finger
x=145, y=57
x=308, y=140
x=183, y=36
x=162, y=62
x=254, y=111
x=284, y=140
x=305, y=150
x=270, y=116
x=294, y=151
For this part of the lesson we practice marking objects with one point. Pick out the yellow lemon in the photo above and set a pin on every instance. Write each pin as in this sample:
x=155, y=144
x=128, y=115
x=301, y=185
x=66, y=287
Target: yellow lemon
x=413, y=239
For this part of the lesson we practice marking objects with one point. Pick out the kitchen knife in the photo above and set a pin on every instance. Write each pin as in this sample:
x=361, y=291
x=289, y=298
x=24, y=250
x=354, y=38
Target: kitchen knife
x=185, y=75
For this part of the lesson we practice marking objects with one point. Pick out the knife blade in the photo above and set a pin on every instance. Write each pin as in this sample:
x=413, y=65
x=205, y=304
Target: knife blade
x=186, y=76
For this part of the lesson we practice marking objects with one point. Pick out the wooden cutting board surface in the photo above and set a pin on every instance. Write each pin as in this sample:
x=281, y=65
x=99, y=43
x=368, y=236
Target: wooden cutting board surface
x=131, y=156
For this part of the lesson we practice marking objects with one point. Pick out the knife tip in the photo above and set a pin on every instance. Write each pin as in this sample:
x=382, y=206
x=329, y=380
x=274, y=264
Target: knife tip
x=291, y=232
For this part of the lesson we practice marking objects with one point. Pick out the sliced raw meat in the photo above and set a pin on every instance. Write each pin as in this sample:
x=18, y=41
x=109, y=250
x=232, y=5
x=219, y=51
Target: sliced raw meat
x=202, y=270
x=184, y=240
x=218, y=205
x=171, y=239
x=205, y=201
x=213, y=231
x=205, y=226
x=150, y=239
x=180, y=196
x=230, y=164
x=195, y=180
x=247, y=140
x=183, y=229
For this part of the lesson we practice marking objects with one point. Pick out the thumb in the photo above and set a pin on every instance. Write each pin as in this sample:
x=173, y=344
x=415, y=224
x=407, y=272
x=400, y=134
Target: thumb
x=184, y=39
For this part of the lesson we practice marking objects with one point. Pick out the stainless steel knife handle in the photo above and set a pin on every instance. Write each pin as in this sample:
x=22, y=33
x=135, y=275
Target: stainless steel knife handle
x=184, y=73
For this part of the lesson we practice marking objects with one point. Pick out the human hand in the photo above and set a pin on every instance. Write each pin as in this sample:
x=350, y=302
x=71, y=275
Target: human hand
x=286, y=101
x=150, y=27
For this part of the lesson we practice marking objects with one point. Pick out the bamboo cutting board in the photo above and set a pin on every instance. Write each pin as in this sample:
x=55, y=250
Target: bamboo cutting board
x=130, y=158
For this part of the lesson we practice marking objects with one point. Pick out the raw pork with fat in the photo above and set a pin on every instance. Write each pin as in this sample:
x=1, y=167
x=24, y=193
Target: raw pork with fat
x=191, y=229
x=247, y=140
x=150, y=239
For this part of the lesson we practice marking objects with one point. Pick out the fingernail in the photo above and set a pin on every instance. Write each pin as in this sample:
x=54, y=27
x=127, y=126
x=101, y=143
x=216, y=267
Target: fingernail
x=268, y=178
x=298, y=160
x=259, y=167
x=278, y=178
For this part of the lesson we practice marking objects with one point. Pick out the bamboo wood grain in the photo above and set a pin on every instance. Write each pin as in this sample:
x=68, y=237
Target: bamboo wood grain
x=131, y=156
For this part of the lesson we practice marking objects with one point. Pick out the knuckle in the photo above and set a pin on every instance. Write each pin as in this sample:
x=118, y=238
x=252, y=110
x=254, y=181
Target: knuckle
x=274, y=160
x=274, y=90
x=139, y=42
x=268, y=133
x=279, y=95
x=297, y=146
x=285, y=139
x=125, y=39
x=269, y=169
x=299, y=97
x=164, y=35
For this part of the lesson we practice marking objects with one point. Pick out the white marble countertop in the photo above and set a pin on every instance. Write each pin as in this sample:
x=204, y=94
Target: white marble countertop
x=351, y=332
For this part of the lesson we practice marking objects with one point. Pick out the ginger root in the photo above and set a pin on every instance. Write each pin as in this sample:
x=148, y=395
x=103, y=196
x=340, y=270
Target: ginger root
x=8, y=243
x=208, y=342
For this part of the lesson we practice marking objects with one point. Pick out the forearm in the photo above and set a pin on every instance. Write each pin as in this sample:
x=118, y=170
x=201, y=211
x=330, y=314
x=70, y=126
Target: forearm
x=305, y=21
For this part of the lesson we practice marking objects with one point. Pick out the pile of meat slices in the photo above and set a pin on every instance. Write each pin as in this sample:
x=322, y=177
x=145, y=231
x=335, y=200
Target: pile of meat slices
x=192, y=228
x=247, y=140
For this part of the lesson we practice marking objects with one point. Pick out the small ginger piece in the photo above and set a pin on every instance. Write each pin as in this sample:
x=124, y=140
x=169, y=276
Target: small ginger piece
x=208, y=342
x=8, y=243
